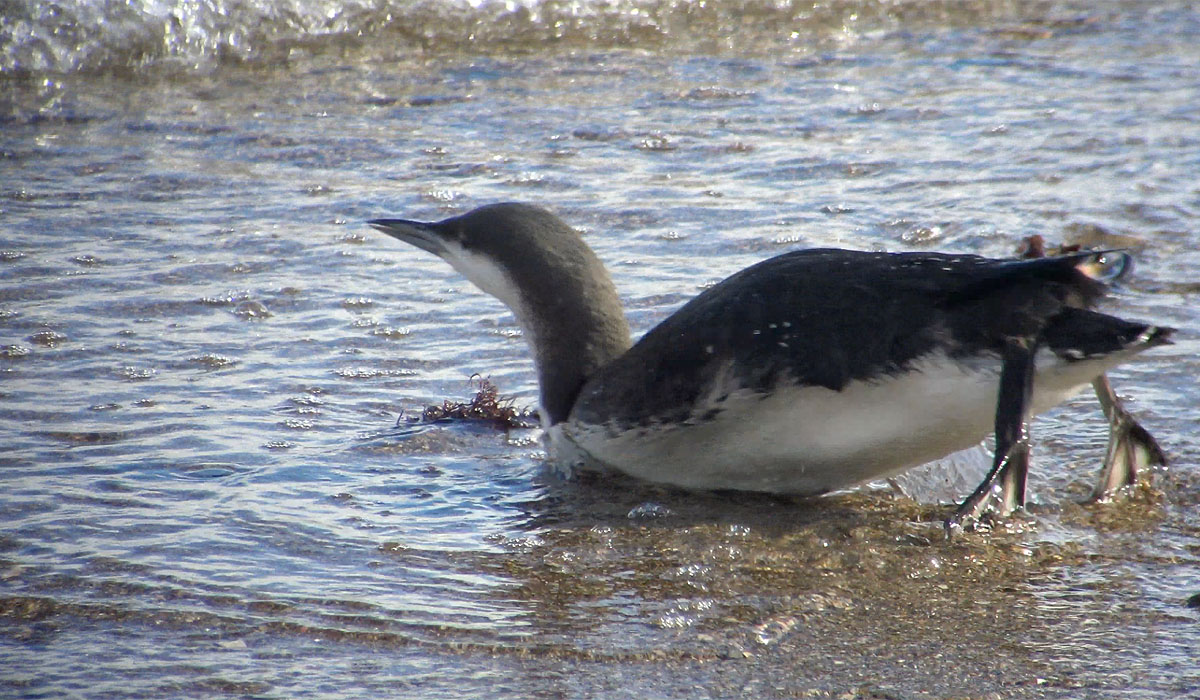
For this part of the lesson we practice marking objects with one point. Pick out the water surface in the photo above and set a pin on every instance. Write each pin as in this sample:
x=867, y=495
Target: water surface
x=204, y=352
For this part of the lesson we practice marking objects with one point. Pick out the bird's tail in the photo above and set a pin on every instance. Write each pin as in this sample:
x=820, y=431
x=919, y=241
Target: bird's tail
x=1104, y=266
x=1081, y=334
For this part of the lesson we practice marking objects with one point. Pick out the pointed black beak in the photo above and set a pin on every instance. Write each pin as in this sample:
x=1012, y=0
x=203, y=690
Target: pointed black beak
x=422, y=235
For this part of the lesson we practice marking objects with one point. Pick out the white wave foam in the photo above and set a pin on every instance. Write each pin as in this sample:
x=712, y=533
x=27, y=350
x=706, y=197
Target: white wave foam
x=70, y=36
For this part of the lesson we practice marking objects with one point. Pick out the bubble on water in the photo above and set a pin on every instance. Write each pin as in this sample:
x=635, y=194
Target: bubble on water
x=48, y=337
x=251, y=310
x=649, y=510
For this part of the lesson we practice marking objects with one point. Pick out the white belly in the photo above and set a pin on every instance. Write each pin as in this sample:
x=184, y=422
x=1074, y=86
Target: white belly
x=812, y=440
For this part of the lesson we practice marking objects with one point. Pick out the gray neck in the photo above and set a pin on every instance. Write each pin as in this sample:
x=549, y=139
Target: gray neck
x=575, y=327
x=559, y=290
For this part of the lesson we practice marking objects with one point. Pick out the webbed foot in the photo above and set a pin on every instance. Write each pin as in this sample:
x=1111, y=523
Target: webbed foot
x=1001, y=494
x=1131, y=449
x=1003, y=489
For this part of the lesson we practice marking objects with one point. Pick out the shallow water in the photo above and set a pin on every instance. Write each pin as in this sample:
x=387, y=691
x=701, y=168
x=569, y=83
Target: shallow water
x=204, y=352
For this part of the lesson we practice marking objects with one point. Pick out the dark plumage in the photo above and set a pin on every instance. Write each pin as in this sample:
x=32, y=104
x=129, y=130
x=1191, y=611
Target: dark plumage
x=812, y=371
x=827, y=317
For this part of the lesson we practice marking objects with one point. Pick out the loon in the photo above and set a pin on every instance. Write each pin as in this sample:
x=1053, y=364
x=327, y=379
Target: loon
x=810, y=372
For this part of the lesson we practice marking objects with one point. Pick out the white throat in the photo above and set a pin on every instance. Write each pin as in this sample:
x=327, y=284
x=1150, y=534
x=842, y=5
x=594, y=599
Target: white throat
x=484, y=273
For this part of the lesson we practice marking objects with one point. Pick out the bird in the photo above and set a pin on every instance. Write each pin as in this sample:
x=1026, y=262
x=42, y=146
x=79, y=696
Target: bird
x=813, y=371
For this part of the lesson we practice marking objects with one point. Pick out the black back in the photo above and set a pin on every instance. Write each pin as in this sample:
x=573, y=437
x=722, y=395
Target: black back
x=828, y=317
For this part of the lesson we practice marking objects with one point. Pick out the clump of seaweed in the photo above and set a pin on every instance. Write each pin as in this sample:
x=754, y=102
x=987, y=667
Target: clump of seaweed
x=487, y=406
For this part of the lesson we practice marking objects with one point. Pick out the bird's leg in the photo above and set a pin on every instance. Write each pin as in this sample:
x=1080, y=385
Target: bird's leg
x=1003, y=488
x=1131, y=450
